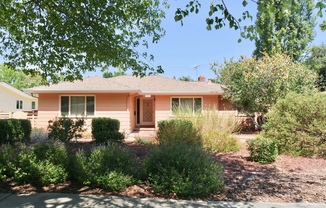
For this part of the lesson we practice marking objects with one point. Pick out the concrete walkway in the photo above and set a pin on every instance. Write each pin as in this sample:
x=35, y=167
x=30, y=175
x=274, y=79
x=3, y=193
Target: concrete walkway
x=74, y=200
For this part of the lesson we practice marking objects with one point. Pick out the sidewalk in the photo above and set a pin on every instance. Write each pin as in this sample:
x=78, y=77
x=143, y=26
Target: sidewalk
x=74, y=200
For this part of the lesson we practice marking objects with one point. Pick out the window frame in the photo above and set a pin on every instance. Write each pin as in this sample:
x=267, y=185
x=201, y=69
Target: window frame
x=69, y=105
x=19, y=104
x=33, y=105
x=193, y=103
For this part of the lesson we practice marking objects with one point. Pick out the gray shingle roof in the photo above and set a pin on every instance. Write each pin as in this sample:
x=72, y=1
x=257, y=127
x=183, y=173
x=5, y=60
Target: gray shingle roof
x=144, y=85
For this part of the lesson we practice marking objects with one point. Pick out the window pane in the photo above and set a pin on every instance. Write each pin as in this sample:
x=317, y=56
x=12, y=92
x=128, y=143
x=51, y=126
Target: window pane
x=90, y=106
x=21, y=104
x=175, y=105
x=33, y=105
x=77, y=107
x=198, y=106
x=64, y=105
x=186, y=105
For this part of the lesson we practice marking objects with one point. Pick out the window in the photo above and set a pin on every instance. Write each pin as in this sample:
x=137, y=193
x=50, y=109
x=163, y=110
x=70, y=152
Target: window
x=186, y=105
x=33, y=105
x=77, y=105
x=19, y=104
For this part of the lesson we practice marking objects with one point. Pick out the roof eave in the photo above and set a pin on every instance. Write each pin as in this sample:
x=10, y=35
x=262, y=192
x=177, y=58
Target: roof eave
x=80, y=91
x=179, y=93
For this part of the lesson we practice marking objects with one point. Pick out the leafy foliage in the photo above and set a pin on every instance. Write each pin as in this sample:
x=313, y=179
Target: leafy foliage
x=178, y=130
x=15, y=131
x=66, y=129
x=18, y=79
x=106, y=130
x=297, y=124
x=317, y=62
x=255, y=85
x=182, y=169
x=262, y=150
x=108, y=74
x=220, y=141
x=285, y=27
x=110, y=167
x=66, y=38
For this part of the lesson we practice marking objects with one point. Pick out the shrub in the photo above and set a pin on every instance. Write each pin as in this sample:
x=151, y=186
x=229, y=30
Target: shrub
x=297, y=124
x=15, y=131
x=262, y=150
x=65, y=129
x=55, y=153
x=215, y=128
x=183, y=169
x=39, y=135
x=220, y=141
x=178, y=130
x=106, y=130
x=105, y=137
x=26, y=164
x=110, y=167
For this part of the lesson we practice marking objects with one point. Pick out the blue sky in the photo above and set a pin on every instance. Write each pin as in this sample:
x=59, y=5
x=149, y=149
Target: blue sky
x=190, y=45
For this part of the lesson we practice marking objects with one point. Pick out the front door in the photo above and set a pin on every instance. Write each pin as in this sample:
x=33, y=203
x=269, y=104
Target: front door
x=147, y=111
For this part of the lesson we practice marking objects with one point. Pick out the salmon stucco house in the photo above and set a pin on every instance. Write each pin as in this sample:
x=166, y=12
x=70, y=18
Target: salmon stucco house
x=135, y=101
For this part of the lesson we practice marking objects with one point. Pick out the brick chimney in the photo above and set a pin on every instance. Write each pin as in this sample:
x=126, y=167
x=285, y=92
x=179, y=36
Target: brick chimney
x=201, y=79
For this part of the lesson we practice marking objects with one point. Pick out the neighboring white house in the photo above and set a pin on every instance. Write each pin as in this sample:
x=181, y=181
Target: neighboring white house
x=13, y=100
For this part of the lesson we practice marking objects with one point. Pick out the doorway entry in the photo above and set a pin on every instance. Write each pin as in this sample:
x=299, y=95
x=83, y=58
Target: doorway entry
x=145, y=111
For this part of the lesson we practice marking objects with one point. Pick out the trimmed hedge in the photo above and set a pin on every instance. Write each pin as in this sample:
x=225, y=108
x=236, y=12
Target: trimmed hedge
x=105, y=130
x=15, y=130
x=178, y=130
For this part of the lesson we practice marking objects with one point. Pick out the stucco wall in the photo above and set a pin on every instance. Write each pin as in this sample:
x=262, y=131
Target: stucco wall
x=106, y=105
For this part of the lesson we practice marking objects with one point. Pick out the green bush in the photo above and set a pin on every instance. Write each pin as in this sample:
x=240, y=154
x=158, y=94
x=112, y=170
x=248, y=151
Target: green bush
x=178, y=130
x=66, y=129
x=106, y=130
x=105, y=137
x=110, y=167
x=15, y=131
x=262, y=150
x=27, y=164
x=183, y=169
x=39, y=135
x=220, y=141
x=297, y=124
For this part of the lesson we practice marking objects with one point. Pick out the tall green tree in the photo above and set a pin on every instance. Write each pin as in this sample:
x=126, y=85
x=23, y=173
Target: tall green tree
x=317, y=62
x=108, y=74
x=254, y=85
x=64, y=38
x=284, y=26
x=19, y=79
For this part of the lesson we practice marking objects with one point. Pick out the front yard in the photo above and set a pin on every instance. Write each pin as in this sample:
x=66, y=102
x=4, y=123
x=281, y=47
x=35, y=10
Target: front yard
x=289, y=179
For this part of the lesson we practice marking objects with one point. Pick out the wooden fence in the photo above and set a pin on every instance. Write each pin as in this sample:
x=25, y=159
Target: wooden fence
x=30, y=115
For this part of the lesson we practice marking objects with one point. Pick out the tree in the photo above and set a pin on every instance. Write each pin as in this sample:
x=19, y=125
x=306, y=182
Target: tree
x=19, y=79
x=187, y=79
x=283, y=26
x=255, y=85
x=108, y=74
x=220, y=16
x=66, y=38
x=317, y=62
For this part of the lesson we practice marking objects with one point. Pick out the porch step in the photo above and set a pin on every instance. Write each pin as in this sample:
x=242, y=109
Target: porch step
x=141, y=132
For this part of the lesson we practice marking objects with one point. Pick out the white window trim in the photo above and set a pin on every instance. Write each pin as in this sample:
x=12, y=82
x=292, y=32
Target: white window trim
x=69, y=110
x=193, y=97
x=34, y=105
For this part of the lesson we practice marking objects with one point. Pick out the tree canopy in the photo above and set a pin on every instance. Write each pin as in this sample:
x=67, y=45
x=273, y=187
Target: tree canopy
x=283, y=26
x=255, y=85
x=220, y=16
x=65, y=38
x=108, y=74
x=317, y=62
x=19, y=79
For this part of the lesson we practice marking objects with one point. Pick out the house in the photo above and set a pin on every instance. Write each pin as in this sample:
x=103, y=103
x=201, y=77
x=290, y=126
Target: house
x=136, y=102
x=14, y=100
